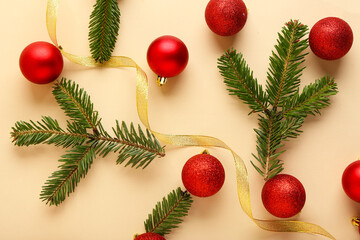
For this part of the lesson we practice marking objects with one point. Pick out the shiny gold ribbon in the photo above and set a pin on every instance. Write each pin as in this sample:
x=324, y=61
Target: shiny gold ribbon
x=182, y=140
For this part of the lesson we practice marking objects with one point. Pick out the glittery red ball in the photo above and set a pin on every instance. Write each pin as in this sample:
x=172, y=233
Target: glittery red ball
x=351, y=181
x=226, y=17
x=283, y=196
x=149, y=236
x=203, y=175
x=41, y=62
x=330, y=38
x=167, y=56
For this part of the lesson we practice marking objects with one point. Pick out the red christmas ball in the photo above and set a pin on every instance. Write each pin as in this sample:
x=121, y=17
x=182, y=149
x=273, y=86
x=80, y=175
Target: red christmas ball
x=41, y=62
x=330, y=38
x=351, y=181
x=203, y=175
x=283, y=196
x=226, y=17
x=167, y=56
x=149, y=236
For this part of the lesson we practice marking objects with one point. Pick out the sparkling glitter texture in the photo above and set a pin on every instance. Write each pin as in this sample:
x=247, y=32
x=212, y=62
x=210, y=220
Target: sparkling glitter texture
x=351, y=181
x=226, y=17
x=203, y=175
x=283, y=196
x=330, y=38
x=149, y=236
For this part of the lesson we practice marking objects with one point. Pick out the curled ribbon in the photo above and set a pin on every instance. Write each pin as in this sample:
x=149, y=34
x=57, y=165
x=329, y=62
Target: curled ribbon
x=182, y=140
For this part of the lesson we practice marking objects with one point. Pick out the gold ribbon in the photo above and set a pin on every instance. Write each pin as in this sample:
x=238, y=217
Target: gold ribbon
x=182, y=140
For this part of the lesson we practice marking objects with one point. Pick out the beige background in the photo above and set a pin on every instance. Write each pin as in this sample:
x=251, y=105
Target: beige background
x=112, y=201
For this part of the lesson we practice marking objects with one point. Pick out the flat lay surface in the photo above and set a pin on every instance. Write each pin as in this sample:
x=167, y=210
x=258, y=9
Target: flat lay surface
x=113, y=201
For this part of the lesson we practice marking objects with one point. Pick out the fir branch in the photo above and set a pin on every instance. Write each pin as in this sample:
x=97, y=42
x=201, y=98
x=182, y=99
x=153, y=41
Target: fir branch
x=239, y=78
x=269, y=136
x=281, y=108
x=284, y=71
x=76, y=103
x=103, y=29
x=168, y=214
x=133, y=145
x=314, y=97
x=45, y=131
x=61, y=183
x=136, y=146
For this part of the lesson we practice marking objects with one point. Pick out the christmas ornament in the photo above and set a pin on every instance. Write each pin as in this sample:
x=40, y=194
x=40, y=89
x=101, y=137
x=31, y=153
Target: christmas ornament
x=330, y=38
x=282, y=107
x=149, y=236
x=41, y=62
x=351, y=181
x=167, y=56
x=203, y=175
x=283, y=196
x=226, y=17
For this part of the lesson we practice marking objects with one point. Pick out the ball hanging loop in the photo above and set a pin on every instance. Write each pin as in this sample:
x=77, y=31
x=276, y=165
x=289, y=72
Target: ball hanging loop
x=161, y=80
x=355, y=221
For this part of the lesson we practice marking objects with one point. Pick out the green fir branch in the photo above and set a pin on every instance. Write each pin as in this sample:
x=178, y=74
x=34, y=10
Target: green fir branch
x=282, y=109
x=76, y=103
x=240, y=81
x=268, y=138
x=136, y=146
x=314, y=97
x=103, y=29
x=45, y=131
x=168, y=214
x=284, y=72
x=76, y=164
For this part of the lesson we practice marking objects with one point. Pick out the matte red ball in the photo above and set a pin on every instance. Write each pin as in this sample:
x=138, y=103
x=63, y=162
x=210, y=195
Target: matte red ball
x=226, y=17
x=41, y=62
x=283, y=196
x=167, y=56
x=331, y=38
x=203, y=175
x=149, y=236
x=351, y=181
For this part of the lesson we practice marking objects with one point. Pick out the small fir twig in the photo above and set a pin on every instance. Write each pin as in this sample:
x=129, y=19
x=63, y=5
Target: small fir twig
x=168, y=213
x=86, y=138
x=281, y=108
x=103, y=29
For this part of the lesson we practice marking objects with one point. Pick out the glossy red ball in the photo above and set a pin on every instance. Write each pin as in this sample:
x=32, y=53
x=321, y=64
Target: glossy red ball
x=203, y=175
x=226, y=17
x=351, y=181
x=283, y=196
x=41, y=62
x=331, y=38
x=167, y=56
x=149, y=236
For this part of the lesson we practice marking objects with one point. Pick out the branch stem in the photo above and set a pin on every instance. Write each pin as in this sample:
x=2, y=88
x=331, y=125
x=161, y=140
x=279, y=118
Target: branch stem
x=287, y=60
